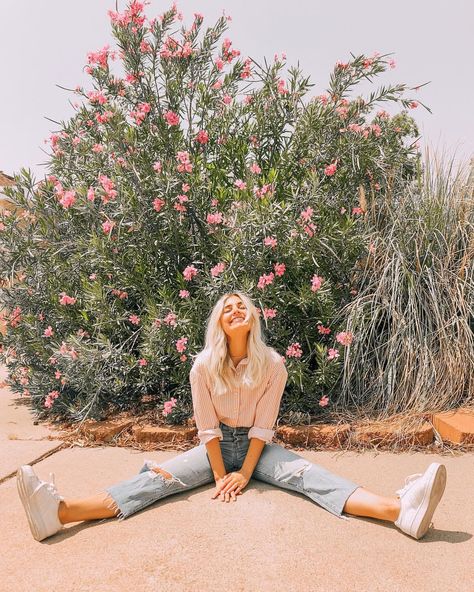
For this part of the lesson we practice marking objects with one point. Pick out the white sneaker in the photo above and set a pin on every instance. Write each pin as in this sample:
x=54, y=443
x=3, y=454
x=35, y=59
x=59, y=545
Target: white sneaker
x=41, y=502
x=419, y=498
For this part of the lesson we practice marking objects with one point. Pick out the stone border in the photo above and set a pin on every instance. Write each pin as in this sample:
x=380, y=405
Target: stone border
x=456, y=427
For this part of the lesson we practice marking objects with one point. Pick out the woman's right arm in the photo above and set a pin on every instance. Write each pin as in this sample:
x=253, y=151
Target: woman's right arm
x=214, y=452
x=207, y=421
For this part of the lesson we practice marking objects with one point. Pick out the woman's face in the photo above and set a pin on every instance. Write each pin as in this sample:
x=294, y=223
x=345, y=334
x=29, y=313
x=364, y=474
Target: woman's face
x=232, y=317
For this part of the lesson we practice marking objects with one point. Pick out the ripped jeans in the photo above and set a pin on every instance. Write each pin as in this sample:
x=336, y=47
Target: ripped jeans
x=277, y=466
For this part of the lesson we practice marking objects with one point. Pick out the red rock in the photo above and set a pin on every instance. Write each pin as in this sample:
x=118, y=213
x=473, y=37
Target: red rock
x=105, y=430
x=313, y=435
x=163, y=434
x=378, y=433
x=455, y=426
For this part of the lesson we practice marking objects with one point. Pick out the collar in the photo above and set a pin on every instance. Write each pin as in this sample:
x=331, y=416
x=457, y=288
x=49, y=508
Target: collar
x=242, y=362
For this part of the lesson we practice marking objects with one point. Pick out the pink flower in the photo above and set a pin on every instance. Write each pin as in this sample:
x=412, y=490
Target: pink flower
x=322, y=330
x=254, y=168
x=354, y=127
x=270, y=241
x=170, y=319
x=90, y=194
x=392, y=64
x=294, y=350
x=217, y=269
x=181, y=344
x=97, y=97
x=140, y=112
x=265, y=280
x=107, y=226
x=227, y=99
x=183, y=357
x=323, y=401
x=134, y=319
x=202, y=137
x=331, y=169
x=168, y=406
x=357, y=211
x=171, y=118
x=316, y=282
x=184, y=163
x=376, y=129
x=240, y=184
x=157, y=166
x=217, y=85
x=189, y=273
x=333, y=354
x=93, y=276
x=68, y=199
x=219, y=64
x=57, y=375
x=413, y=104
x=269, y=313
x=281, y=87
x=215, y=218
x=307, y=213
x=184, y=294
x=97, y=148
x=48, y=332
x=15, y=317
x=344, y=338
x=109, y=187
x=142, y=362
x=267, y=188
x=65, y=299
x=158, y=204
x=247, y=71
x=279, y=269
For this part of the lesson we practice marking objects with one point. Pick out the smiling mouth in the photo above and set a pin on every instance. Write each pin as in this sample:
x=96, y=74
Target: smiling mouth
x=236, y=319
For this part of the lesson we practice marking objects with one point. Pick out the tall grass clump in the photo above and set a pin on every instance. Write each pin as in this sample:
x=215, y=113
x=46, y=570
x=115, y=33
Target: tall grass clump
x=414, y=312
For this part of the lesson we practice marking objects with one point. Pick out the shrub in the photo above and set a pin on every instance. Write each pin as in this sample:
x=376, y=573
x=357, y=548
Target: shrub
x=192, y=173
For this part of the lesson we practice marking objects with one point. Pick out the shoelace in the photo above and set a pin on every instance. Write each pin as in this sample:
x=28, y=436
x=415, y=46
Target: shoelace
x=51, y=487
x=408, y=483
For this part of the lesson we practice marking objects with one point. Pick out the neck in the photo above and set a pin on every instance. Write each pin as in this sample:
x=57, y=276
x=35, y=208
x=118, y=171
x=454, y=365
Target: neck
x=237, y=348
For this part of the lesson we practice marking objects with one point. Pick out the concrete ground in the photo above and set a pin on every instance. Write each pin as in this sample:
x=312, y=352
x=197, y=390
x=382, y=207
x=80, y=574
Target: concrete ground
x=269, y=539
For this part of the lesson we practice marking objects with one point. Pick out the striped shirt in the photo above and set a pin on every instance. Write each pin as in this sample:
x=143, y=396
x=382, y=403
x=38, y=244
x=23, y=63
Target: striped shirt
x=256, y=408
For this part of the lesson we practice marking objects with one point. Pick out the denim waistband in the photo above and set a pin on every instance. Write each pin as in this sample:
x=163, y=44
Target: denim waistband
x=237, y=430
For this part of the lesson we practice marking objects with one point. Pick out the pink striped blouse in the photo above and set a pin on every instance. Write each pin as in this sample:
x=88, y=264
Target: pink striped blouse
x=256, y=407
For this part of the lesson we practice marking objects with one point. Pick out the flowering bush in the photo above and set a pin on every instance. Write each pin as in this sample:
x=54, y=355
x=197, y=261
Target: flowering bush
x=187, y=171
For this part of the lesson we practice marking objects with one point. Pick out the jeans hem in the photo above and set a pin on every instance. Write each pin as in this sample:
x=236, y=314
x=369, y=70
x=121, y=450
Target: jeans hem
x=119, y=506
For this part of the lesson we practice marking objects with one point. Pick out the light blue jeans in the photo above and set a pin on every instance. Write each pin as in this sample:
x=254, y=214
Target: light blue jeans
x=277, y=466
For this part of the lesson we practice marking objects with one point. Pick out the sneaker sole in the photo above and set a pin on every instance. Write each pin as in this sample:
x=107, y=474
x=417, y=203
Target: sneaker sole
x=433, y=494
x=22, y=475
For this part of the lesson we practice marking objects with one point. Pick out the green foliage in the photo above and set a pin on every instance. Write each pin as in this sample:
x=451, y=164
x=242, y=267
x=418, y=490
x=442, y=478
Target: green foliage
x=162, y=189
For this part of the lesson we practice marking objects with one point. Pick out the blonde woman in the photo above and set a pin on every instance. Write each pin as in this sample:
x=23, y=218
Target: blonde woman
x=236, y=382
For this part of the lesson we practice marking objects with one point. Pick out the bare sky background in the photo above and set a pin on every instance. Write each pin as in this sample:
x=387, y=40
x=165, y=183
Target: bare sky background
x=45, y=43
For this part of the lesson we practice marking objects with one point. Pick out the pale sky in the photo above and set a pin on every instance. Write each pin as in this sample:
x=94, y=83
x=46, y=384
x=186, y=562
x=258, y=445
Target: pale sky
x=44, y=43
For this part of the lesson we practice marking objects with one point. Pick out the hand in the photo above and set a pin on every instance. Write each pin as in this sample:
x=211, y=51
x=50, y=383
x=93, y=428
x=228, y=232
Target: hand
x=229, y=486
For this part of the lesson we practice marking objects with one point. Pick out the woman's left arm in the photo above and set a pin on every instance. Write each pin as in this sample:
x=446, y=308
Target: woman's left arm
x=266, y=413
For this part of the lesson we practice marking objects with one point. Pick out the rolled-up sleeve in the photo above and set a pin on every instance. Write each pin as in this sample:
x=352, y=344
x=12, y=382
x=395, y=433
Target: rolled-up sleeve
x=266, y=411
x=204, y=413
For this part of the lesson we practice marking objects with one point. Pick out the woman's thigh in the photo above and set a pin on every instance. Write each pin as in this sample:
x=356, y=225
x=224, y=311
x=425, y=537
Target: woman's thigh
x=284, y=468
x=191, y=468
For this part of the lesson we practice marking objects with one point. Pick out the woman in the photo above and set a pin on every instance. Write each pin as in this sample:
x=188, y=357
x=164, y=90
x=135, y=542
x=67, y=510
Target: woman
x=236, y=382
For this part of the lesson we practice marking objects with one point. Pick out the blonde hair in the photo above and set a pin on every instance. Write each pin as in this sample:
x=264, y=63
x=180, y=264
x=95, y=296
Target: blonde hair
x=216, y=352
